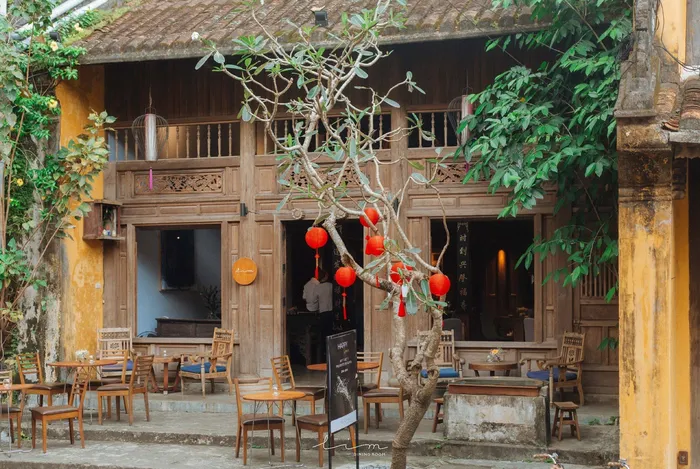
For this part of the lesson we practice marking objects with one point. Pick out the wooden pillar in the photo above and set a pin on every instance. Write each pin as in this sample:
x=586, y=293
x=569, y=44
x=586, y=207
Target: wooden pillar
x=647, y=324
x=248, y=311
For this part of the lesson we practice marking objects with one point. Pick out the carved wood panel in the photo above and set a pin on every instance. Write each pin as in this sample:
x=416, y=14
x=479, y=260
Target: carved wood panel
x=179, y=183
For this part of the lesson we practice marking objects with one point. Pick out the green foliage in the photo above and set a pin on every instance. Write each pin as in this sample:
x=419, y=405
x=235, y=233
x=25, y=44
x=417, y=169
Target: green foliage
x=42, y=189
x=552, y=126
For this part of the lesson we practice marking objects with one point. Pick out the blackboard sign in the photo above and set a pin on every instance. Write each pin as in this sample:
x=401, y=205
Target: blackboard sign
x=342, y=380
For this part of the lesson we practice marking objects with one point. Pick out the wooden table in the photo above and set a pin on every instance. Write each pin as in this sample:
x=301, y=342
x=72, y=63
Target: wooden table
x=272, y=397
x=165, y=361
x=361, y=366
x=6, y=390
x=493, y=367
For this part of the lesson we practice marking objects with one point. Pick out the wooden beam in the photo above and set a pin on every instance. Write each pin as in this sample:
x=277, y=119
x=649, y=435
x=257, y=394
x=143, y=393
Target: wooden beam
x=539, y=288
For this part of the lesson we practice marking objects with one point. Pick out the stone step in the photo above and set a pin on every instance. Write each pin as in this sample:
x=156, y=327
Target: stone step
x=598, y=446
x=109, y=455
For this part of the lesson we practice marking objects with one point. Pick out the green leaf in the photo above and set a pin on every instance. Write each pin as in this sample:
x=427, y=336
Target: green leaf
x=418, y=177
x=202, y=61
x=360, y=72
x=391, y=102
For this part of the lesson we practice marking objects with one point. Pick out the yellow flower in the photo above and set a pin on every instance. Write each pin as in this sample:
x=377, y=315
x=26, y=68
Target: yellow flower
x=77, y=27
x=20, y=182
x=494, y=351
x=522, y=100
x=53, y=45
x=53, y=103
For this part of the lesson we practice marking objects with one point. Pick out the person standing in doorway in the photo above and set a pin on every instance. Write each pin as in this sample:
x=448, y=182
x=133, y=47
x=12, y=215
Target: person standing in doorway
x=324, y=299
x=310, y=296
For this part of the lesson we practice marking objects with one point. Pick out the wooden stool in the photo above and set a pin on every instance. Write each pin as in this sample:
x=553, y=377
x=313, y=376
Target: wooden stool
x=560, y=419
x=438, y=416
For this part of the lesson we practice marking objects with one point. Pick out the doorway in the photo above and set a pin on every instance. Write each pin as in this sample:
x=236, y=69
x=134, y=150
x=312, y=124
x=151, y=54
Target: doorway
x=178, y=275
x=491, y=299
x=304, y=330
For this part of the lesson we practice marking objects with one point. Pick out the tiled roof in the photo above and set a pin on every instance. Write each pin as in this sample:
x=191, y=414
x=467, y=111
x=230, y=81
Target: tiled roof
x=162, y=29
x=684, y=127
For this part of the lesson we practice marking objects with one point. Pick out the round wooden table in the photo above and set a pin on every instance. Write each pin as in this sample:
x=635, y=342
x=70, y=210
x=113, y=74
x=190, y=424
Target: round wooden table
x=165, y=361
x=493, y=367
x=361, y=366
x=271, y=397
x=85, y=364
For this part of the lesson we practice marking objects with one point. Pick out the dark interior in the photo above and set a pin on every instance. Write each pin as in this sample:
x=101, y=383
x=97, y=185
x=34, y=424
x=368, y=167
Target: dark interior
x=492, y=298
x=299, y=269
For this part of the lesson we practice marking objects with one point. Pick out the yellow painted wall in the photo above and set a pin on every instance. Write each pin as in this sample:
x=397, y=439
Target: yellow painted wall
x=672, y=26
x=82, y=269
x=681, y=341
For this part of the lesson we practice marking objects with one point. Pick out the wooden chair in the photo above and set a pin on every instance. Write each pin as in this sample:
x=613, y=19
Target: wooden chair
x=563, y=371
x=250, y=422
x=446, y=358
x=15, y=416
x=381, y=396
x=111, y=343
x=367, y=375
x=318, y=423
x=138, y=384
x=217, y=364
x=64, y=412
x=284, y=377
x=31, y=372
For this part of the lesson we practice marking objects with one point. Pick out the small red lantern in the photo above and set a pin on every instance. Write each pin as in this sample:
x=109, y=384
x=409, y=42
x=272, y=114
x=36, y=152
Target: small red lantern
x=375, y=246
x=395, y=276
x=372, y=215
x=345, y=276
x=316, y=238
x=439, y=284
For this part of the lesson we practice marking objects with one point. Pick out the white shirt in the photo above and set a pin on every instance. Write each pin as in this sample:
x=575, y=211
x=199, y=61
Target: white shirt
x=324, y=297
x=310, y=295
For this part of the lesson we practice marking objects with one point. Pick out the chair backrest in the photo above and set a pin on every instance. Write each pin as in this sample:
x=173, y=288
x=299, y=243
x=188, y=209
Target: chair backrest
x=375, y=357
x=282, y=369
x=572, y=347
x=249, y=386
x=446, y=348
x=28, y=364
x=222, y=343
x=79, y=389
x=141, y=371
x=112, y=341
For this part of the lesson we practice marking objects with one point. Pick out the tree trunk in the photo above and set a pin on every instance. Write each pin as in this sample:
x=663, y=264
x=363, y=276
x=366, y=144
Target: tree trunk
x=419, y=403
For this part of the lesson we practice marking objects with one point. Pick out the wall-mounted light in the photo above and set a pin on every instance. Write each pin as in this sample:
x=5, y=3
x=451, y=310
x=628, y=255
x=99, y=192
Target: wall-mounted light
x=244, y=209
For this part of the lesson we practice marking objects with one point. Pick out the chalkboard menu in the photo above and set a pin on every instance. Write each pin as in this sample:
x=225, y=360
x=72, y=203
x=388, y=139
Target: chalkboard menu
x=342, y=380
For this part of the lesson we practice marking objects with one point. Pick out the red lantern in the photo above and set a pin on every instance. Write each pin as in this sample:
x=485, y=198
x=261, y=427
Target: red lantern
x=375, y=246
x=396, y=278
x=439, y=284
x=316, y=238
x=396, y=275
x=373, y=216
x=345, y=276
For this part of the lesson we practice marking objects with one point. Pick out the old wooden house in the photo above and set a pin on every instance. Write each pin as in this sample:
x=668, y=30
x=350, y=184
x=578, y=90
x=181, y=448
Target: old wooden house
x=179, y=223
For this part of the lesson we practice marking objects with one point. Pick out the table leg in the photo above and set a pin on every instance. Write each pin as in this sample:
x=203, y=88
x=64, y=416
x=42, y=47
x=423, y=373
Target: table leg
x=476, y=373
x=492, y=373
x=507, y=372
x=177, y=377
x=165, y=378
x=152, y=379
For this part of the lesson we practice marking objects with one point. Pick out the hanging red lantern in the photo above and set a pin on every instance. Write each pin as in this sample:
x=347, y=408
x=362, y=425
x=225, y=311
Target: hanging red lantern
x=439, y=284
x=373, y=216
x=316, y=238
x=345, y=276
x=395, y=276
x=375, y=246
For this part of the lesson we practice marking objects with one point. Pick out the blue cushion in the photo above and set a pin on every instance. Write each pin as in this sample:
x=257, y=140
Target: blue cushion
x=198, y=368
x=543, y=375
x=444, y=373
x=112, y=368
